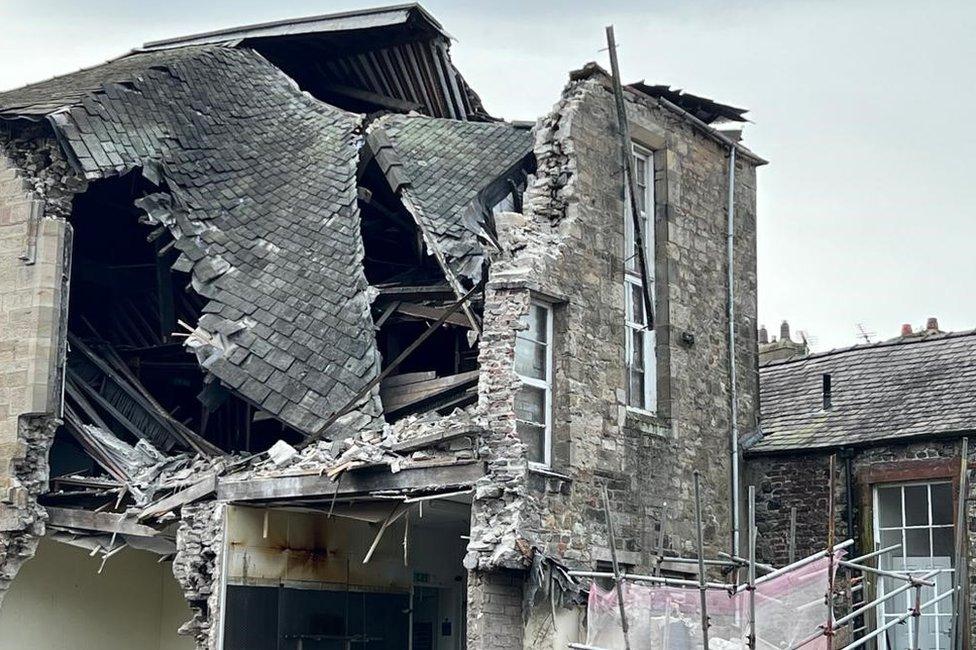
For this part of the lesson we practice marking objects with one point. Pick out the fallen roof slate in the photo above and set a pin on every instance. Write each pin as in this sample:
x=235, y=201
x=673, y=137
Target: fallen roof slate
x=883, y=391
x=260, y=183
x=449, y=166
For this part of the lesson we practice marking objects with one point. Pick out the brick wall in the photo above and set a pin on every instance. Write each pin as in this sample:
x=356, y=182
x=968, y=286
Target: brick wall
x=494, y=610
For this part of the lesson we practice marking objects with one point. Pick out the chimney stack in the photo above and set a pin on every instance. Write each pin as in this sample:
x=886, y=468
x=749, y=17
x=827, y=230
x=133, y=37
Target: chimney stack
x=932, y=324
x=784, y=332
x=906, y=329
x=763, y=334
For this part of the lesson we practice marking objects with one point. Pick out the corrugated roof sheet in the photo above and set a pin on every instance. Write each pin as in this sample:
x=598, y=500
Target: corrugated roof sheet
x=890, y=390
x=261, y=200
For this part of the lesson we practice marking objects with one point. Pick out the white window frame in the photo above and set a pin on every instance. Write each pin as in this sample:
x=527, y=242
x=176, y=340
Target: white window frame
x=897, y=606
x=633, y=279
x=545, y=385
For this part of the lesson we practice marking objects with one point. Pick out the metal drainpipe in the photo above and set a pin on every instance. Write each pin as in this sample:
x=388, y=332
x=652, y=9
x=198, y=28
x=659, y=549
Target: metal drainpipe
x=733, y=380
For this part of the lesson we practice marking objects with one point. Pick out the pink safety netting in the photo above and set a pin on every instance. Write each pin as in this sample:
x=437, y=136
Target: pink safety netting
x=789, y=609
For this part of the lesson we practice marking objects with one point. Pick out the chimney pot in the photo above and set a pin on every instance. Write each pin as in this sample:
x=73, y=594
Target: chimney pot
x=906, y=329
x=784, y=331
x=932, y=324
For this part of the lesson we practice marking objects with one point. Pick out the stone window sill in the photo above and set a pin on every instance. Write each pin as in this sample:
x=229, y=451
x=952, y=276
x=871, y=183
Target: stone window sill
x=646, y=422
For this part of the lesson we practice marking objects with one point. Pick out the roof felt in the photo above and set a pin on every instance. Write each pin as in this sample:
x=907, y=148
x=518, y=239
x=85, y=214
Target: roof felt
x=449, y=165
x=895, y=389
x=261, y=201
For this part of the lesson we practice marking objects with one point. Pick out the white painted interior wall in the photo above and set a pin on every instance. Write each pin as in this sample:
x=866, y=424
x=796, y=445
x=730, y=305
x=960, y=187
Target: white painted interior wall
x=60, y=602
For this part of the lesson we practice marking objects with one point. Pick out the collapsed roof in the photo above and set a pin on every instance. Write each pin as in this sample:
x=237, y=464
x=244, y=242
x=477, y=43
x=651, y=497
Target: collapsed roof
x=257, y=184
x=891, y=390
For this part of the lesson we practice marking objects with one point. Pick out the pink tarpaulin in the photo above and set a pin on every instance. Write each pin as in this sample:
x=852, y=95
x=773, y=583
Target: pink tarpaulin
x=789, y=609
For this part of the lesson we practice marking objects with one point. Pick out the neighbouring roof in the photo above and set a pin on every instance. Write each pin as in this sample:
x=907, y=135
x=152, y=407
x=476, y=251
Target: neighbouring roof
x=452, y=170
x=891, y=390
x=259, y=192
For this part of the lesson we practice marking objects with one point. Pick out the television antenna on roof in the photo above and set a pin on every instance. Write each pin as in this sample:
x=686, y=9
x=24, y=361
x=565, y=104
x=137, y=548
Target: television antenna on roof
x=863, y=333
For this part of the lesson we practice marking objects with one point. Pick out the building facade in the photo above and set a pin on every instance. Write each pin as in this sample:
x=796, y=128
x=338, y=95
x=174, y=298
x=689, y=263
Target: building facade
x=353, y=358
x=893, y=416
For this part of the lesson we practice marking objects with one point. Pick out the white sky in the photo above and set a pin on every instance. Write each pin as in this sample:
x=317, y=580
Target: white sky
x=866, y=212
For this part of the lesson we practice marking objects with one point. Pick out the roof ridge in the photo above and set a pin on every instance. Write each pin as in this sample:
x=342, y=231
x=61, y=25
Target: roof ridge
x=932, y=338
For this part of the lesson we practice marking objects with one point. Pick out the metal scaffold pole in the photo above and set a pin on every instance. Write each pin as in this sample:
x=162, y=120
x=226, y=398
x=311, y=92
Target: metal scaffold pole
x=617, y=578
x=702, y=585
x=752, y=567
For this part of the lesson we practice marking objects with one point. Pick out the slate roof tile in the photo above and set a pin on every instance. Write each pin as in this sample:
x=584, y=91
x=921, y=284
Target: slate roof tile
x=262, y=201
x=890, y=390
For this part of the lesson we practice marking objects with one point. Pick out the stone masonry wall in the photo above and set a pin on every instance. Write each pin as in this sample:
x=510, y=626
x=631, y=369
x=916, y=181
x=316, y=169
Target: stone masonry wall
x=568, y=248
x=800, y=480
x=494, y=610
x=34, y=266
x=197, y=568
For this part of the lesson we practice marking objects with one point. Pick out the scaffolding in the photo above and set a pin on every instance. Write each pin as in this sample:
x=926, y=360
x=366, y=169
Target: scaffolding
x=788, y=608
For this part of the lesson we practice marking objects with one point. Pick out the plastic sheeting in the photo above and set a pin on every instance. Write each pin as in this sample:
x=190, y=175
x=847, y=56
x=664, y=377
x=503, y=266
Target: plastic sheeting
x=789, y=609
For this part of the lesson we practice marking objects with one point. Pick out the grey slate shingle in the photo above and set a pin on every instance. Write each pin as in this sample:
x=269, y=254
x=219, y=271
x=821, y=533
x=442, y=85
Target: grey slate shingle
x=261, y=182
x=447, y=163
x=895, y=389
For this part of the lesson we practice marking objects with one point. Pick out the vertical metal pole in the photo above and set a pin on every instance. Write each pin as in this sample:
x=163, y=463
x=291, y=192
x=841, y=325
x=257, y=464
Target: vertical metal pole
x=616, y=568
x=733, y=373
x=960, y=629
x=916, y=617
x=627, y=150
x=829, y=628
x=752, y=567
x=702, y=588
x=792, y=547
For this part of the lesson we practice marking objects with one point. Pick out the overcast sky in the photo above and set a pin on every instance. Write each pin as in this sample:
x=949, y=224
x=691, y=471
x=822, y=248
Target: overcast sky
x=866, y=211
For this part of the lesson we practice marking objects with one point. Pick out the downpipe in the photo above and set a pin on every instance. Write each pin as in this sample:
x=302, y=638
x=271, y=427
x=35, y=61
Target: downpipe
x=733, y=375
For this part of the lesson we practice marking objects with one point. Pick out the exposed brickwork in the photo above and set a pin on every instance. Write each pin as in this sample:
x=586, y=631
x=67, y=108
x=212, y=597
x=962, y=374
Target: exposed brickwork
x=801, y=480
x=495, y=610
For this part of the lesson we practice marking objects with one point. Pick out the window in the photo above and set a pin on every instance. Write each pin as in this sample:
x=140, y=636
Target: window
x=640, y=343
x=533, y=365
x=919, y=517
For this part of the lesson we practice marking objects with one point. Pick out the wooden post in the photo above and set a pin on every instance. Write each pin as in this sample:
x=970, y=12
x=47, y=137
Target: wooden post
x=960, y=624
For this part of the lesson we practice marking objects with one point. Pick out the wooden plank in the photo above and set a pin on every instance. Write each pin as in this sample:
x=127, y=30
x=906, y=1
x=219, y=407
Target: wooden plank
x=204, y=487
x=408, y=378
x=104, y=522
x=430, y=313
x=362, y=481
x=407, y=446
x=370, y=97
x=402, y=396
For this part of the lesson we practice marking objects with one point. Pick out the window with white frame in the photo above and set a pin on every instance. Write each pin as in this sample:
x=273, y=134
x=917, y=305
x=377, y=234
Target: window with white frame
x=919, y=517
x=533, y=365
x=640, y=343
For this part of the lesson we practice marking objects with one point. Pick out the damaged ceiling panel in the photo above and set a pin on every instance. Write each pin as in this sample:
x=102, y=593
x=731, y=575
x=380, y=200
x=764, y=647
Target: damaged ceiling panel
x=258, y=188
x=450, y=174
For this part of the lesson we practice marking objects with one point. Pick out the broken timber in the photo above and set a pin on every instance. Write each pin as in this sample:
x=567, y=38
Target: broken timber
x=461, y=474
x=198, y=490
x=104, y=522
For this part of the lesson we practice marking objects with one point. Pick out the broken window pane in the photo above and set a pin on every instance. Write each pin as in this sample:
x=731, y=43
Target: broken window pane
x=534, y=437
x=889, y=504
x=916, y=505
x=942, y=503
x=636, y=298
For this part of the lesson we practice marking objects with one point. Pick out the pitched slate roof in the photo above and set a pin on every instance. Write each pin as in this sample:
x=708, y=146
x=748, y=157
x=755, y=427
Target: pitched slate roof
x=894, y=389
x=260, y=196
x=449, y=165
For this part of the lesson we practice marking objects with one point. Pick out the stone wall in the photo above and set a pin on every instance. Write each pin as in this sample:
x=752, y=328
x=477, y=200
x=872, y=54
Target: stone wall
x=35, y=243
x=567, y=248
x=801, y=480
